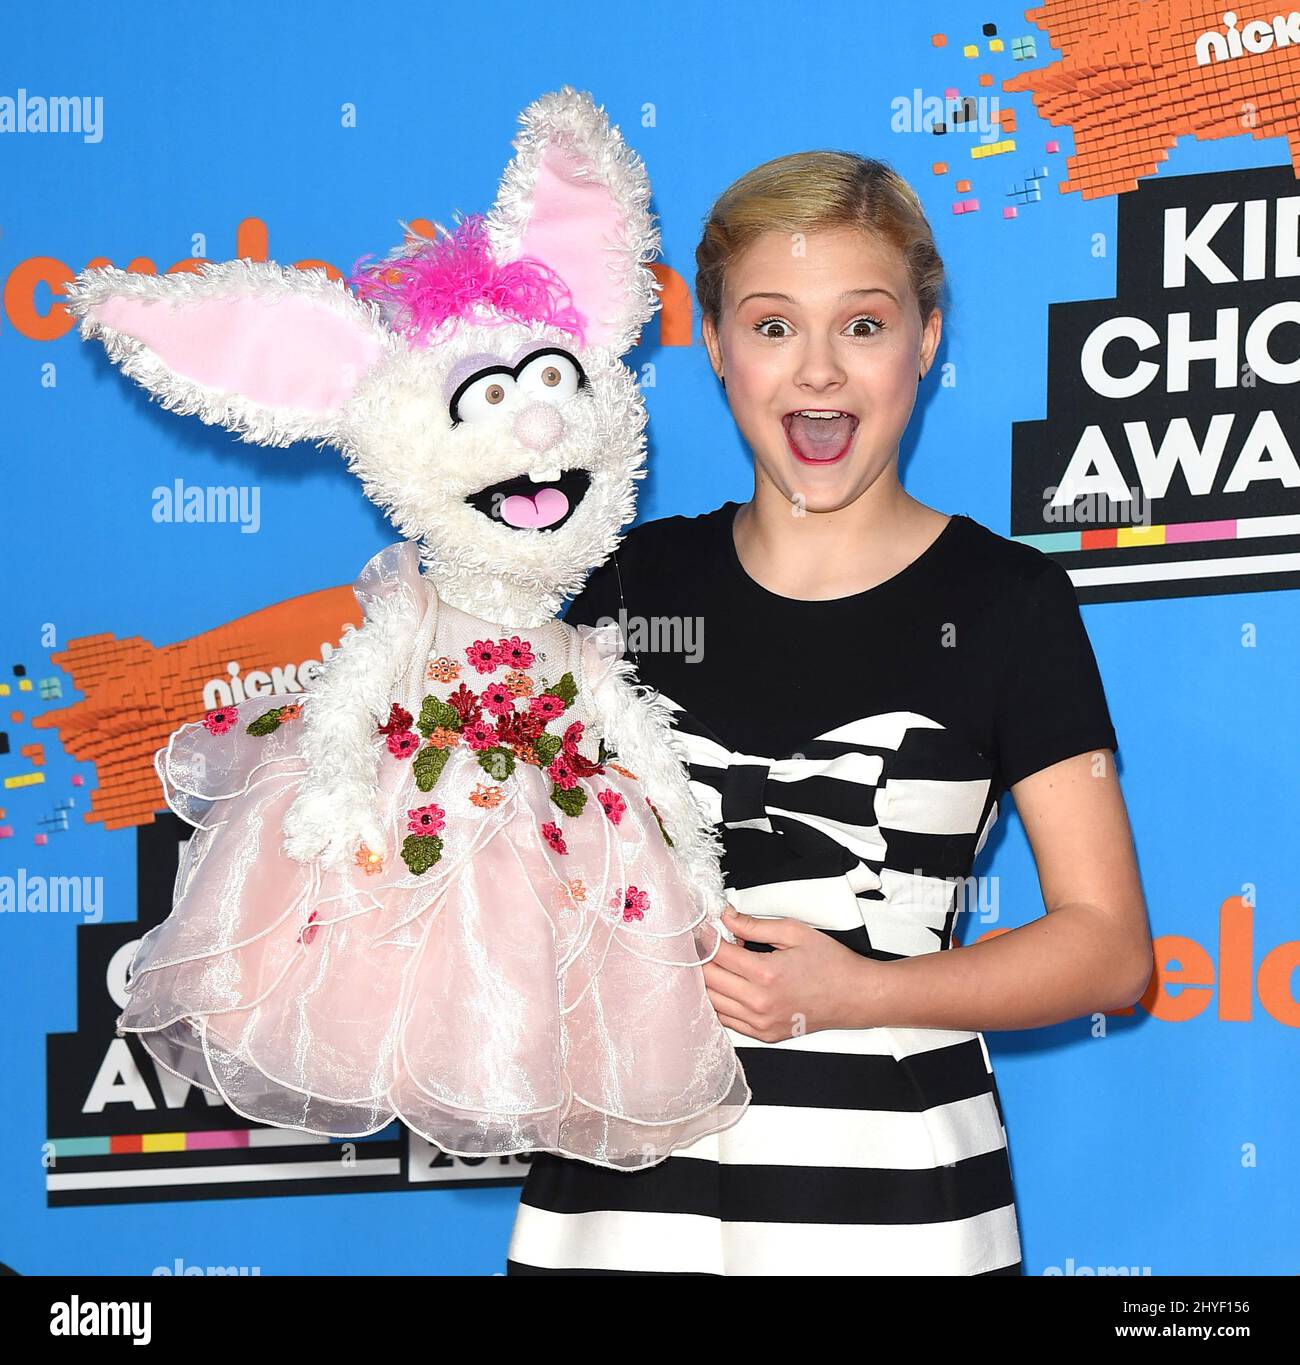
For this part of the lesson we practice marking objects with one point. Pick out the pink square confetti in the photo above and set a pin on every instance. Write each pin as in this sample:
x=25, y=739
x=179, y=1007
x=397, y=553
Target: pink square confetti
x=1009, y=211
x=1053, y=146
x=42, y=839
x=78, y=780
x=6, y=831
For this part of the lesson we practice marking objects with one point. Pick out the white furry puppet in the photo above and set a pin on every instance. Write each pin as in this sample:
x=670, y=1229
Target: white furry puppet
x=424, y=888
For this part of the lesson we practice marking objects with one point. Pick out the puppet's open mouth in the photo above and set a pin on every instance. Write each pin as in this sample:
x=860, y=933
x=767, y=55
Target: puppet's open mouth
x=526, y=505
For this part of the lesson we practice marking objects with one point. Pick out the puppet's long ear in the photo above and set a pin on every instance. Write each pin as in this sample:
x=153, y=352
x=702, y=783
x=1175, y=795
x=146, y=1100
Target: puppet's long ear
x=271, y=353
x=577, y=198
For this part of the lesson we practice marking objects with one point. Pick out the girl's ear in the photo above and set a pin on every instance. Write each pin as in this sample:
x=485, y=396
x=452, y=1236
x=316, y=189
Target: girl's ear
x=271, y=353
x=576, y=197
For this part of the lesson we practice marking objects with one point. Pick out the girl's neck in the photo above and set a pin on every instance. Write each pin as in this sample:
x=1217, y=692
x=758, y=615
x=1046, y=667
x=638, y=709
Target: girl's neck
x=814, y=556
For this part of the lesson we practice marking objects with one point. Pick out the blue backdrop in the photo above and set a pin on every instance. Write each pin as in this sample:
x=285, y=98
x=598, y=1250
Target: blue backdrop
x=1161, y=1141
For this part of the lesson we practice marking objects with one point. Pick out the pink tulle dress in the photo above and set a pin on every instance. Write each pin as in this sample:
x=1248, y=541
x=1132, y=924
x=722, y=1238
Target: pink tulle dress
x=515, y=969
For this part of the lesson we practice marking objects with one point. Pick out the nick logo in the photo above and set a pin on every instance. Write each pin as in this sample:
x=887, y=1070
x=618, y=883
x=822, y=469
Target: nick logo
x=1258, y=36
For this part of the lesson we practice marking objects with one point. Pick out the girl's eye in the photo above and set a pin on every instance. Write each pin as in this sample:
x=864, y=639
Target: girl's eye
x=862, y=322
x=864, y=326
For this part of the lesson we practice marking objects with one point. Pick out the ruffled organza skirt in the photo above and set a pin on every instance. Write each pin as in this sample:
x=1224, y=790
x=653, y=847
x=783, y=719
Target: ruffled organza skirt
x=536, y=988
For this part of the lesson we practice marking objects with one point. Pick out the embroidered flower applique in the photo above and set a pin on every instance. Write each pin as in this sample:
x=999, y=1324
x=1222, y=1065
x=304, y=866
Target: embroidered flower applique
x=221, y=719
x=403, y=744
x=548, y=706
x=400, y=739
x=515, y=727
x=487, y=796
x=484, y=656
x=498, y=699
x=520, y=684
x=368, y=860
x=566, y=894
x=423, y=846
x=463, y=702
x=553, y=835
x=516, y=653
x=430, y=819
x=612, y=804
x=561, y=772
x=398, y=722
x=633, y=903
x=443, y=670
x=479, y=735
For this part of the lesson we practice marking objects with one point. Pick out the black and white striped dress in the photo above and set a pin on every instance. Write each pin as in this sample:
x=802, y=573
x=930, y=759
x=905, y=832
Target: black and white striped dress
x=852, y=753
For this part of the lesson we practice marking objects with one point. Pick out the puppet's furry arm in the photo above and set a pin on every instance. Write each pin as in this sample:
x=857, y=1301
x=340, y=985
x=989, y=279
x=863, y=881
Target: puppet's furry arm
x=637, y=725
x=336, y=810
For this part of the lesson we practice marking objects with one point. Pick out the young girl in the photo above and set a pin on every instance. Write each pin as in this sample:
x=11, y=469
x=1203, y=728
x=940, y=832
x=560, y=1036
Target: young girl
x=868, y=677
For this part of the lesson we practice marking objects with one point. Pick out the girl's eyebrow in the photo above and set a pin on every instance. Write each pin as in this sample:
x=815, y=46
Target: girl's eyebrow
x=847, y=294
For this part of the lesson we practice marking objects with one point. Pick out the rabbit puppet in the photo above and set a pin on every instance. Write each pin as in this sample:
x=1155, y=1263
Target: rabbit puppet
x=424, y=888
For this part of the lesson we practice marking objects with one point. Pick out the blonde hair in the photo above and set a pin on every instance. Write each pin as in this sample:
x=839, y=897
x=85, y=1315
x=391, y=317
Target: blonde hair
x=811, y=191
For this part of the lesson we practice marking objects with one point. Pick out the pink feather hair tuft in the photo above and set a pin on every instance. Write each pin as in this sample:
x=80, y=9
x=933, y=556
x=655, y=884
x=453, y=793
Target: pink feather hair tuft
x=424, y=286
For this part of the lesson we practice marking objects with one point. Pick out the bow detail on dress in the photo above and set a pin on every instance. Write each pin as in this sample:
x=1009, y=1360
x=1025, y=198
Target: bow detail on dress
x=749, y=791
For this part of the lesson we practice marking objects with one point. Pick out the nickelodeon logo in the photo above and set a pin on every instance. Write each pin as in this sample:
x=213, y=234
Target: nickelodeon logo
x=1187, y=980
x=26, y=315
x=1258, y=36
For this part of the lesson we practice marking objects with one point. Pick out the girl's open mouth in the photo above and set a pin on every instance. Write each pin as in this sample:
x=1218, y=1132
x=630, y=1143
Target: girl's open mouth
x=819, y=435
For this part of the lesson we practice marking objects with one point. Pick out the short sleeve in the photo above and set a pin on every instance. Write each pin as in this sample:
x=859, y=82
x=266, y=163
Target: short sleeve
x=1051, y=704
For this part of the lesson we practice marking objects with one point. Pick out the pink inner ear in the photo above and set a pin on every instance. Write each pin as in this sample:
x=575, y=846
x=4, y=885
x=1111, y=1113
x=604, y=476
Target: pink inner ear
x=290, y=352
x=572, y=222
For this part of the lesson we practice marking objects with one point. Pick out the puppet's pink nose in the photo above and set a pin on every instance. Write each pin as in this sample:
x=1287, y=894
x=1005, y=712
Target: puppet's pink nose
x=538, y=426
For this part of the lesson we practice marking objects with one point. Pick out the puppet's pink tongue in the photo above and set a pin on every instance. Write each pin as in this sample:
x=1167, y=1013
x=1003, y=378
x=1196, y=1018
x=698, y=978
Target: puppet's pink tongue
x=820, y=438
x=544, y=508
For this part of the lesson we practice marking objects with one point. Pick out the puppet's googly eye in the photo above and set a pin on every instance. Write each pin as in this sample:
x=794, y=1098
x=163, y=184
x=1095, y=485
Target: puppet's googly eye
x=483, y=397
x=550, y=375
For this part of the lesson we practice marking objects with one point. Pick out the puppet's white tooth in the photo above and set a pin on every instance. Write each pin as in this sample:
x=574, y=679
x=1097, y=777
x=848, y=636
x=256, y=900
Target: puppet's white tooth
x=551, y=474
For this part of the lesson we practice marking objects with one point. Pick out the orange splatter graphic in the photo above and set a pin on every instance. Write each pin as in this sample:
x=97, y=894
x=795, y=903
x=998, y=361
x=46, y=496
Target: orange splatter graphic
x=136, y=694
x=1130, y=86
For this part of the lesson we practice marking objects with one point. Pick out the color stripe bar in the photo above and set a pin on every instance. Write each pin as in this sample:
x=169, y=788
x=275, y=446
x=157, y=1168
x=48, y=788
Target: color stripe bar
x=216, y=1140
x=1166, y=533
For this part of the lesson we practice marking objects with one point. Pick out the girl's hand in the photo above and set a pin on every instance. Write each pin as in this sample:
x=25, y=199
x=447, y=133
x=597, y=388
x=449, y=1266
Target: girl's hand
x=809, y=983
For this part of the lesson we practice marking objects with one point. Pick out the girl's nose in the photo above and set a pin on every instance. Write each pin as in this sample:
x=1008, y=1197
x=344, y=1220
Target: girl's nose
x=538, y=426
